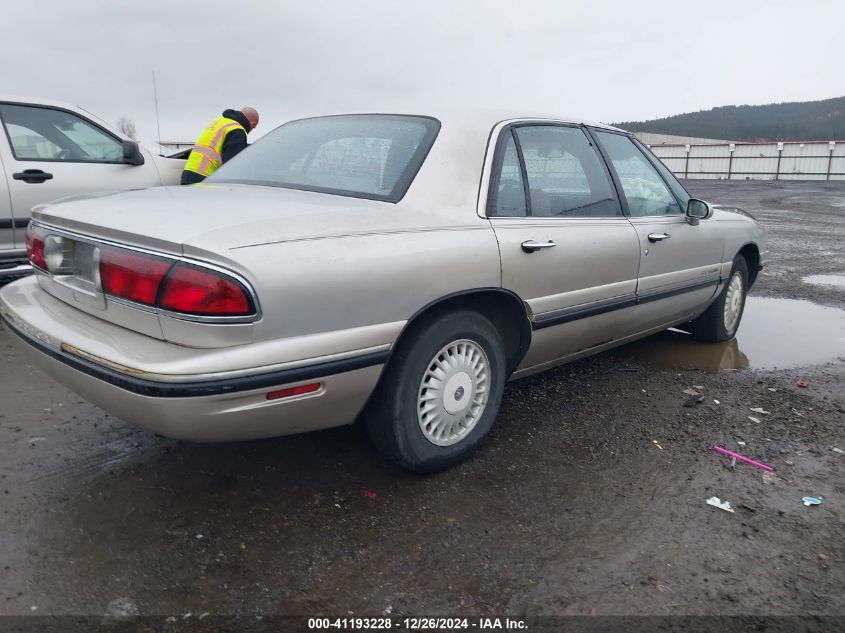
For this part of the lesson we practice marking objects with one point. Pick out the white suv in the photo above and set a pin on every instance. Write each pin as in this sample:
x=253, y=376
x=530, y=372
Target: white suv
x=51, y=150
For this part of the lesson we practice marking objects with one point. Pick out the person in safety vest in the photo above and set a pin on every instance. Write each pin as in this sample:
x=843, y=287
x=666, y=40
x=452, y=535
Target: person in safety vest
x=222, y=139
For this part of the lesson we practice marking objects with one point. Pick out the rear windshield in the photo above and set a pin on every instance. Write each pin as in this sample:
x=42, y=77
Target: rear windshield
x=372, y=156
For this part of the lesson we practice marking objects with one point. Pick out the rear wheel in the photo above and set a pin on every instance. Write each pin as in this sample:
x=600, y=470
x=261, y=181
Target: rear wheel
x=721, y=320
x=440, y=393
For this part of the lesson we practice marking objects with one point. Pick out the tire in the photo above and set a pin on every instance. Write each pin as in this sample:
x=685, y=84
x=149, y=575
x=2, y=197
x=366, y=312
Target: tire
x=718, y=324
x=405, y=415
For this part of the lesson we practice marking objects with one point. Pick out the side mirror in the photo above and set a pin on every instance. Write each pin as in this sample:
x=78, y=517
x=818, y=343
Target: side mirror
x=132, y=153
x=697, y=210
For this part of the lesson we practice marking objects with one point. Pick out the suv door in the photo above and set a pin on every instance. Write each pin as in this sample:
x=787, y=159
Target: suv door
x=54, y=153
x=565, y=246
x=7, y=220
x=679, y=263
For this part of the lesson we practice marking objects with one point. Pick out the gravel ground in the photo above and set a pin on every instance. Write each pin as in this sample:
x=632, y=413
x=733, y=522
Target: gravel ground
x=587, y=498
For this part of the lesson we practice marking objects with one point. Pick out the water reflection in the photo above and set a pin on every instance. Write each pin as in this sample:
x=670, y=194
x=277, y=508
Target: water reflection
x=825, y=280
x=775, y=333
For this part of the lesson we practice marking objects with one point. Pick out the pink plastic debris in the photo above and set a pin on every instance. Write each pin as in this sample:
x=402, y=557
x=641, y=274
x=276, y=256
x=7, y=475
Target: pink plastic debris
x=743, y=458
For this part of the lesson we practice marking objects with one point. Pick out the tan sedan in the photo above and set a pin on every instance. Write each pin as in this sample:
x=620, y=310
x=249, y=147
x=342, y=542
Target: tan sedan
x=392, y=268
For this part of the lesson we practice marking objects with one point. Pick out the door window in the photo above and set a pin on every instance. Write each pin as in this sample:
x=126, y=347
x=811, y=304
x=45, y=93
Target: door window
x=54, y=135
x=677, y=188
x=645, y=191
x=566, y=177
x=510, y=197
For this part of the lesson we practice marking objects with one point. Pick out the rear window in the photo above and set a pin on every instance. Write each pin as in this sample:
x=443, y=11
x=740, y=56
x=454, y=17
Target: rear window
x=373, y=156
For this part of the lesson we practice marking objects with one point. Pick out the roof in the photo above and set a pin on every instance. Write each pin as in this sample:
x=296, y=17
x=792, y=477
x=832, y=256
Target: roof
x=37, y=101
x=62, y=105
x=469, y=117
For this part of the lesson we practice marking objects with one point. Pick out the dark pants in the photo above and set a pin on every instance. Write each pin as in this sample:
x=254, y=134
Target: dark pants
x=191, y=177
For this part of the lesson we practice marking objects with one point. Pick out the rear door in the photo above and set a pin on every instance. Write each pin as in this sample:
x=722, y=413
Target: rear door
x=52, y=153
x=679, y=262
x=565, y=246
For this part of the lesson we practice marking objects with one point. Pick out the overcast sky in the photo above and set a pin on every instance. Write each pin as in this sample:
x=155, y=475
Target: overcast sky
x=605, y=61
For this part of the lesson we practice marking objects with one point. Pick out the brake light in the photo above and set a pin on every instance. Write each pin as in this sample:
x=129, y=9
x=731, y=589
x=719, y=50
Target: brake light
x=175, y=287
x=133, y=276
x=202, y=292
x=35, y=247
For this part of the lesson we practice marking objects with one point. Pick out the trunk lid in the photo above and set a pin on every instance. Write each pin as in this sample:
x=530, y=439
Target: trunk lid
x=210, y=216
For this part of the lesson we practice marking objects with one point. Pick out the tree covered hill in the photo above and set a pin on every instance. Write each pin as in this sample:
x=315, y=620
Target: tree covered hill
x=796, y=121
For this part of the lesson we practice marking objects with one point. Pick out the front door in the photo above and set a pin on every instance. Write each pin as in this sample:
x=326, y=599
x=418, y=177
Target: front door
x=565, y=246
x=679, y=263
x=7, y=220
x=53, y=153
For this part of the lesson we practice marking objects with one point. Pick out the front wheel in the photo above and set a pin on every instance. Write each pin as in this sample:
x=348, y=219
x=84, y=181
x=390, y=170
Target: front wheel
x=440, y=393
x=721, y=320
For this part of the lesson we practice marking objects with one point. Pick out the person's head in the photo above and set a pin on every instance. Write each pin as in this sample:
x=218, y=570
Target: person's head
x=251, y=115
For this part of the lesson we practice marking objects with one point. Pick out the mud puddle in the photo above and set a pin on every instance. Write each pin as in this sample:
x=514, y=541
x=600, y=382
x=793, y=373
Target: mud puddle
x=774, y=334
x=825, y=280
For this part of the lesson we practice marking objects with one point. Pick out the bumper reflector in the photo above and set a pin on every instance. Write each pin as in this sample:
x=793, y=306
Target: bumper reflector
x=293, y=391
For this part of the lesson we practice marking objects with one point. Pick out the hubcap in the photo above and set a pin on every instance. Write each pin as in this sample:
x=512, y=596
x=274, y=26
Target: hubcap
x=453, y=393
x=733, y=302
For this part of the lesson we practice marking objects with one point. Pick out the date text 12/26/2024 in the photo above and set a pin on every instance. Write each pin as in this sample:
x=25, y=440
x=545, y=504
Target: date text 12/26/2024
x=417, y=624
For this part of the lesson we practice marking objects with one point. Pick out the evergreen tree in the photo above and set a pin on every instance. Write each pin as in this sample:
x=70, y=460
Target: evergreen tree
x=796, y=121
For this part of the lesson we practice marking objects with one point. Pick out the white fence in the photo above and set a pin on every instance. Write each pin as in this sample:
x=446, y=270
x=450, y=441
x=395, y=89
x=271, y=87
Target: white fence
x=815, y=160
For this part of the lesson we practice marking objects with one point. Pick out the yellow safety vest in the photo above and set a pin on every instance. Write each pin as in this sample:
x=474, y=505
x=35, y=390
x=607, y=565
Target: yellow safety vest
x=207, y=154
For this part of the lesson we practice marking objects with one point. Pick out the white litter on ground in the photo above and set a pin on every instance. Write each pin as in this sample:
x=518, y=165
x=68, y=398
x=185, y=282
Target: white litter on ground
x=722, y=505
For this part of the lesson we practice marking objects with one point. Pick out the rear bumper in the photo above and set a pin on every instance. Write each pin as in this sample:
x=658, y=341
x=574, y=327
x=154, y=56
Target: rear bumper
x=221, y=406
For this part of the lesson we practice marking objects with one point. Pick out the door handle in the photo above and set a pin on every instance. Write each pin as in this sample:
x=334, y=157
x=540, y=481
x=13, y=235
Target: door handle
x=529, y=246
x=32, y=175
x=658, y=237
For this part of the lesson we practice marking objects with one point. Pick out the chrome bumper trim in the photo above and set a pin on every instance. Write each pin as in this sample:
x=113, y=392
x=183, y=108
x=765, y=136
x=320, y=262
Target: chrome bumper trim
x=199, y=388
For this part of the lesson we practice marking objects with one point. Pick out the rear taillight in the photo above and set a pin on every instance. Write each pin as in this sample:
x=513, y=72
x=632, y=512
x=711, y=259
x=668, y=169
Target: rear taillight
x=133, y=276
x=175, y=287
x=204, y=293
x=35, y=246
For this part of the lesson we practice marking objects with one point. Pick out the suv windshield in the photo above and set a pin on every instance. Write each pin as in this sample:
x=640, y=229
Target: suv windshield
x=372, y=156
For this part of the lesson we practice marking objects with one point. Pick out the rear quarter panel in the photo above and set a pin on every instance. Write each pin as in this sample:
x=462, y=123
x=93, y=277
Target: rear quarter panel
x=329, y=284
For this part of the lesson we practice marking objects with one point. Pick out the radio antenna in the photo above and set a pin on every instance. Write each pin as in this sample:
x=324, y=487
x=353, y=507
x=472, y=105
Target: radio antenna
x=155, y=96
